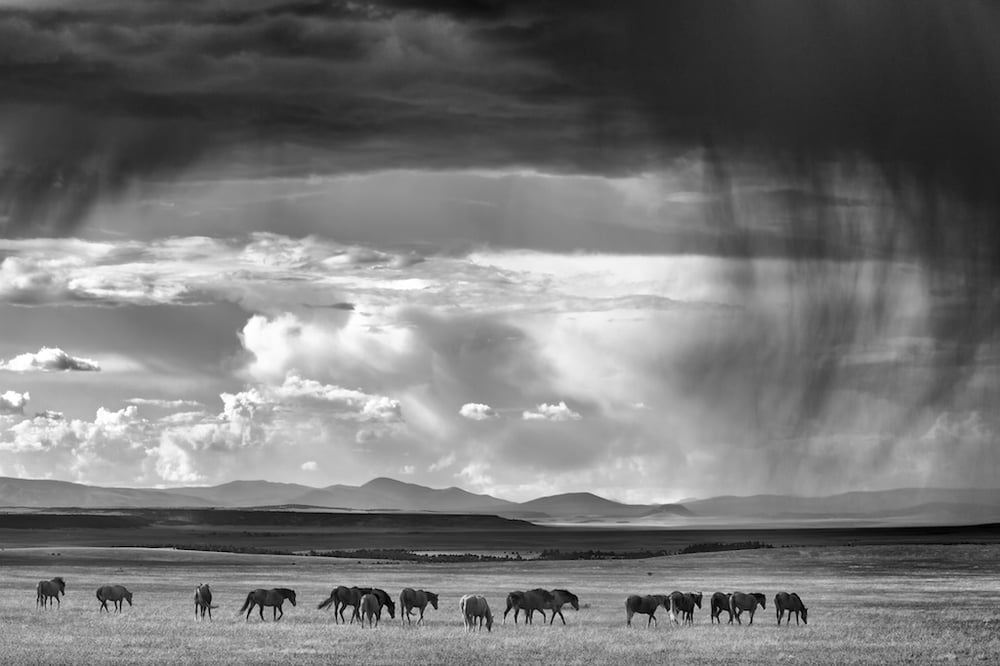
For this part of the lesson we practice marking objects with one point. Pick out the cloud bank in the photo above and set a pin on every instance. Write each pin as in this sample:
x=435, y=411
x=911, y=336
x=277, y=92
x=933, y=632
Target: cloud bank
x=49, y=359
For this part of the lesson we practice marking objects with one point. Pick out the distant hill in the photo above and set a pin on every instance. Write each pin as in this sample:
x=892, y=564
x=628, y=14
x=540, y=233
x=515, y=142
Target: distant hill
x=904, y=506
x=898, y=506
x=591, y=506
x=42, y=493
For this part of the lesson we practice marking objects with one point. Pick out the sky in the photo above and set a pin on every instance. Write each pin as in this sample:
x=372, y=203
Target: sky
x=668, y=250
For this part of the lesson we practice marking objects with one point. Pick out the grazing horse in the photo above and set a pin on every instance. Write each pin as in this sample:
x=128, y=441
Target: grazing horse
x=274, y=597
x=529, y=602
x=341, y=597
x=560, y=597
x=791, y=603
x=720, y=602
x=371, y=609
x=115, y=593
x=646, y=605
x=475, y=607
x=410, y=599
x=739, y=602
x=203, y=601
x=685, y=603
x=48, y=589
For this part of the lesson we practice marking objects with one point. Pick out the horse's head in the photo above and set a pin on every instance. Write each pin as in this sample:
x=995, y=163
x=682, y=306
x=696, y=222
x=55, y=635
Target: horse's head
x=697, y=599
x=128, y=597
x=574, y=601
x=433, y=599
x=291, y=596
x=762, y=599
x=390, y=604
x=489, y=621
x=805, y=615
x=61, y=583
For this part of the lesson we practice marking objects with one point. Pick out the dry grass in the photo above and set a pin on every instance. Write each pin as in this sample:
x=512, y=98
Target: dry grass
x=868, y=605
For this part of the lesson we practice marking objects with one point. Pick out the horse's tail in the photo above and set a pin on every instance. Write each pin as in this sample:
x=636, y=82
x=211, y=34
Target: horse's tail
x=329, y=600
x=247, y=602
x=673, y=609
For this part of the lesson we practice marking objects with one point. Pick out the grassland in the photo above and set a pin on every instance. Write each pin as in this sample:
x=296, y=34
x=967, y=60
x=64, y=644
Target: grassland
x=868, y=605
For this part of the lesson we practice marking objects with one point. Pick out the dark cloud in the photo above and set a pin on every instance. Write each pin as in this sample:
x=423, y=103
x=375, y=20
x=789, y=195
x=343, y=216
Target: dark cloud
x=896, y=102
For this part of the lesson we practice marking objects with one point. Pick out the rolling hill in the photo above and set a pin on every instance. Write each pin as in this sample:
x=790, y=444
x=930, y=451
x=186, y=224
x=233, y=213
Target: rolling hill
x=904, y=506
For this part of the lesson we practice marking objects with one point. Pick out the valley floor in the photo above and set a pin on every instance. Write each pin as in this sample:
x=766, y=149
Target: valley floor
x=888, y=604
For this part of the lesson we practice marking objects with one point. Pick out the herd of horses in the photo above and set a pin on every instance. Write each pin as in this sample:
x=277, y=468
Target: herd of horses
x=367, y=604
x=734, y=603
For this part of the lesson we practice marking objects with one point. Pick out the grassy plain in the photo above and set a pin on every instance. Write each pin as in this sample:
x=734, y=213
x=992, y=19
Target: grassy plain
x=868, y=605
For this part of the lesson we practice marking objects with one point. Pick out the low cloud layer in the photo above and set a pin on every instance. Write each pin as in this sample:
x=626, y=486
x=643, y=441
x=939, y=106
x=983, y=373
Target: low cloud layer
x=49, y=359
x=516, y=372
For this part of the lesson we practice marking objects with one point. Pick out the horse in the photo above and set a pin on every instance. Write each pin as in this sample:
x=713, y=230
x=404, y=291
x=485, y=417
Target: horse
x=203, y=601
x=371, y=609
x=685, y=603
x=791, y=603
x=341, y=597
x=560, y=597
x=48, y=589
x=115, y=593
x=529, y=602
x=410, y=599
x=739, y=602
x=646, y=605
x=513, y=601
x=475, y=607
x=274, y=597
x=720, y=602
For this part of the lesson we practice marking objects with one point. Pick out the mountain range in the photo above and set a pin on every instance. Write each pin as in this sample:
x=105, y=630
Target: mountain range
x=916, y=506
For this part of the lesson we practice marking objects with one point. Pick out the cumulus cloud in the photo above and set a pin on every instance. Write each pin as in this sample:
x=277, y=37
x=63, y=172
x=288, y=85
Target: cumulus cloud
x=12, y=402
x=310, y=466
x=49, y=359
x=478, y=412
x=547, y=412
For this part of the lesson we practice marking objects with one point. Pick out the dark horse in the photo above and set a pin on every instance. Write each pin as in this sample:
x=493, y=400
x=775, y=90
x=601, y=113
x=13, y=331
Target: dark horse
x=561, y=597
x=646, y=605
x=720, y=602
x=341, y=597
x=791, y=603
x=274, y=597
x=48, y=589
x=685, y=603
x=115, y=593
x=739, y=602
x=203, y=601
x=529, y=602
x=410, y=599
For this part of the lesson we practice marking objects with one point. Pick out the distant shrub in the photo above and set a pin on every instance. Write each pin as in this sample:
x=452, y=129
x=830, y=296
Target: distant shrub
x=716, y=546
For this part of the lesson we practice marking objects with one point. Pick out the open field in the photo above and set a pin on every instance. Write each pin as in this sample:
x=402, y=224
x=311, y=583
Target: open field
x=868, y=605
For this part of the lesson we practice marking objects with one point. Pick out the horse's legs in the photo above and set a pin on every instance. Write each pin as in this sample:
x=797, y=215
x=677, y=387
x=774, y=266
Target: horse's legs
x=752, y=611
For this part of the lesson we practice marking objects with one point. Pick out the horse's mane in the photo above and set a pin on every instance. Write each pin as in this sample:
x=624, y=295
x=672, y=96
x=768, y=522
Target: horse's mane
x=285, y=591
